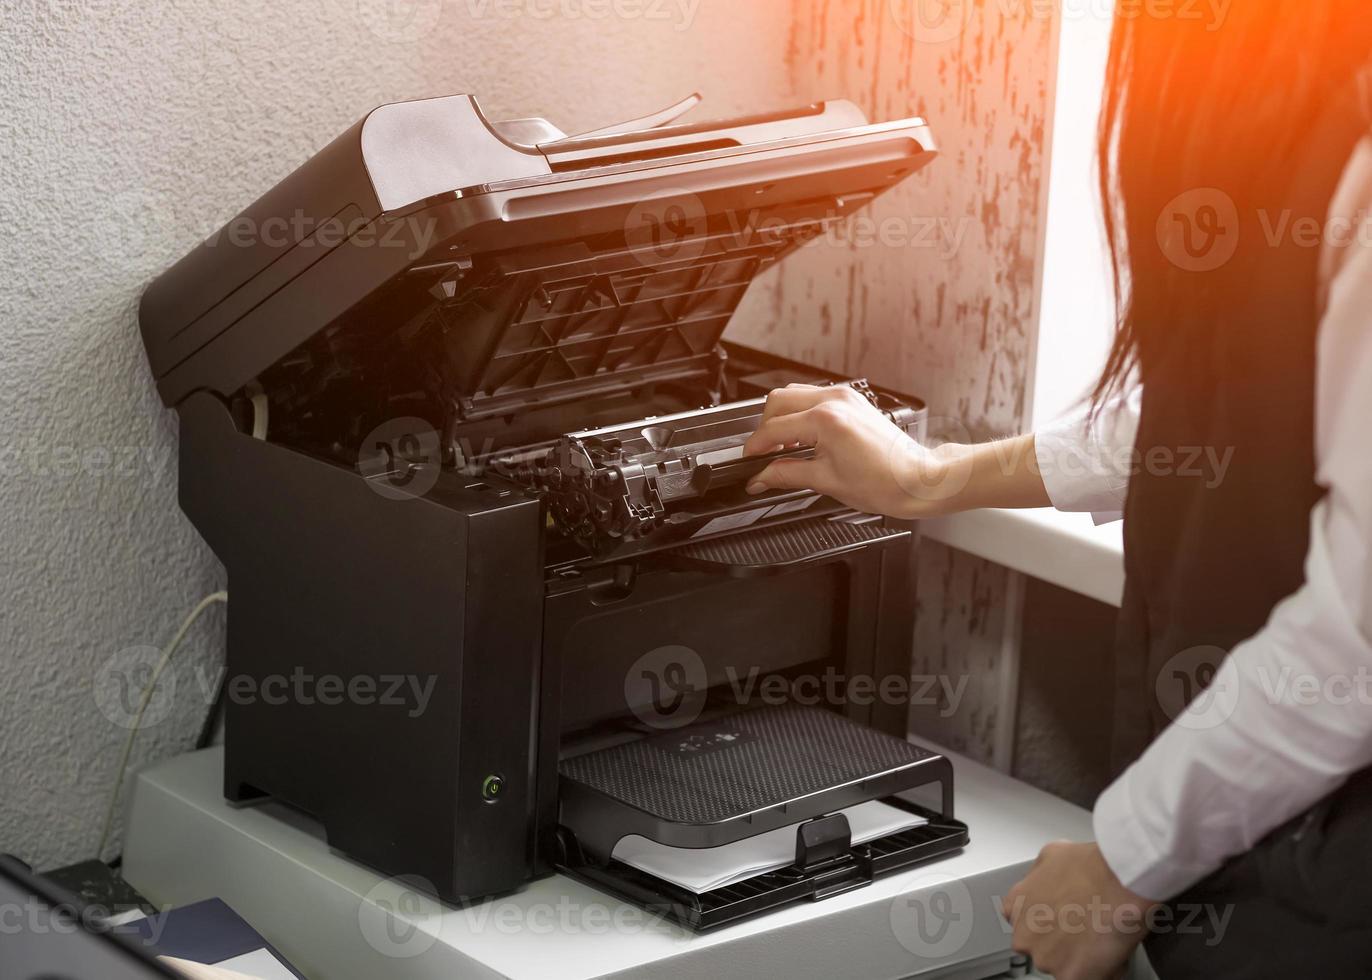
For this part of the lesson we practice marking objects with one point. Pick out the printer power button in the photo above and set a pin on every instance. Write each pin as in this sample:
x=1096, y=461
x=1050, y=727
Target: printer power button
x=492, y=788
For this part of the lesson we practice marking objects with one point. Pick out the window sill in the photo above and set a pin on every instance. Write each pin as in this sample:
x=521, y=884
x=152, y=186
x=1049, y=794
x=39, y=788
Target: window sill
x=1068, y=550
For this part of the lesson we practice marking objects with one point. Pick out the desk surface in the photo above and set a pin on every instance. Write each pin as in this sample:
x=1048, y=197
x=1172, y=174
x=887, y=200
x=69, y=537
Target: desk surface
x=1068, y=550
x=334, y=918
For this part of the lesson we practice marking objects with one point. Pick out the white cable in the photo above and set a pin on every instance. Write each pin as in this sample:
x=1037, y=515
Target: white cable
x=259, y=410
x=167, y=654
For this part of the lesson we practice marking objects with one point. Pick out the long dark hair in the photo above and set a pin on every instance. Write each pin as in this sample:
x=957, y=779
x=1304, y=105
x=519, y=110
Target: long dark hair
x=1212, y=101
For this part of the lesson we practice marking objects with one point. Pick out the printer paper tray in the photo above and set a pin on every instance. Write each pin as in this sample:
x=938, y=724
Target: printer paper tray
x=731, y=778
x=858, y=866
x=736, y=776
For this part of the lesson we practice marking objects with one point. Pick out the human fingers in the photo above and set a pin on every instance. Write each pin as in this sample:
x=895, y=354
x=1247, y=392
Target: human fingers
x=785, y=430
x=798, y=398
x=789, y=474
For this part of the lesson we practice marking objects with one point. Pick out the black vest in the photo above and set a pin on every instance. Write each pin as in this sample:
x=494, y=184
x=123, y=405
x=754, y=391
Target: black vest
x=1207, y=557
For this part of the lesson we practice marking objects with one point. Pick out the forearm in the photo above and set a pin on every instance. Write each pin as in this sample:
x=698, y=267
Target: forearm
x=995, y=474
x=863, y=460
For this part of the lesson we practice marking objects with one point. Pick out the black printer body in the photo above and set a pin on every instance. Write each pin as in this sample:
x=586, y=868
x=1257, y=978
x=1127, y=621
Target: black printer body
x=457, y=415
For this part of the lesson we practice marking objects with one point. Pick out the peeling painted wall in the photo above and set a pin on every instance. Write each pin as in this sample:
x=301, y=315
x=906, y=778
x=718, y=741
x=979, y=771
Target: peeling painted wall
x=933, y=289
x=130, y=132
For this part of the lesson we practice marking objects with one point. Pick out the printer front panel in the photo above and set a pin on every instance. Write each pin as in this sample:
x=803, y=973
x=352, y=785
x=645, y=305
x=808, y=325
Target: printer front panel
x=642, y=652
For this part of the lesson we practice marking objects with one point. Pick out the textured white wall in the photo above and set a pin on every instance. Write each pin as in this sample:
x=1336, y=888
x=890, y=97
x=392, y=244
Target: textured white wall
x=131, y=130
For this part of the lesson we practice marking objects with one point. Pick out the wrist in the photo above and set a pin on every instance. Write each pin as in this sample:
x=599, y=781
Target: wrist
x=1131, y=908
x=933, y=480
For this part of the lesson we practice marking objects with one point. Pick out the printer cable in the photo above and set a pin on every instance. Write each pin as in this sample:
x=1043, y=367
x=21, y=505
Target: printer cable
x=168, y=652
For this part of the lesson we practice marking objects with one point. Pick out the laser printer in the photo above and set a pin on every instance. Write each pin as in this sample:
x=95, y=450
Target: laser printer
x=455, y=406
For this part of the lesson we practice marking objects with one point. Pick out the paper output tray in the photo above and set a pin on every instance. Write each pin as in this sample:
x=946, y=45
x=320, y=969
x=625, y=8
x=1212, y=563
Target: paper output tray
x=731, y=778
x=856, y=866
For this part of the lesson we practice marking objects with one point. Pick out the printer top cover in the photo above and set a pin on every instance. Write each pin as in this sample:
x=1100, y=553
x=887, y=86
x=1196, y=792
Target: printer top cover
x=496, y=265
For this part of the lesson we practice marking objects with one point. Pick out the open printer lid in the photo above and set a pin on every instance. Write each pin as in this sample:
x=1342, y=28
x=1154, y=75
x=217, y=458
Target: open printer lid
x=532, y=266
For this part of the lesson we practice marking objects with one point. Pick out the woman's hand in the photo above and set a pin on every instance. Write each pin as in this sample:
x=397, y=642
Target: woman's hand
x=866, y=462
x=1072, y=915
x=861, y=458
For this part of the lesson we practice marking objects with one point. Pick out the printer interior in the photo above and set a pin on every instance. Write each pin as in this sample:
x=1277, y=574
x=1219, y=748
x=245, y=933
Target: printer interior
x=578, y=549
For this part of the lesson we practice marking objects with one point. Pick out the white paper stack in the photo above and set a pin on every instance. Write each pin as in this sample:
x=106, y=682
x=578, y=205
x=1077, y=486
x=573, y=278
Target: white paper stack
x=701, y=869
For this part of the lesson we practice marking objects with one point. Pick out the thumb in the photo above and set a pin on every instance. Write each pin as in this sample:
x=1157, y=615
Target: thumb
x=786, y=474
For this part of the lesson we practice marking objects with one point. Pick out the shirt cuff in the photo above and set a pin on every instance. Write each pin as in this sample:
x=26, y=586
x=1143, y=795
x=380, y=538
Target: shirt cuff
x=1080, y=470
x=1135, y=858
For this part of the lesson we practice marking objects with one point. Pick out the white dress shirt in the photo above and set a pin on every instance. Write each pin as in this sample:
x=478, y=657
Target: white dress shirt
x=1288, y=716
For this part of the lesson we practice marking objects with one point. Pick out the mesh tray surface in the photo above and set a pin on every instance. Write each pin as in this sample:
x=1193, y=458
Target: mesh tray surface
x=749, y=761
x=787, y=543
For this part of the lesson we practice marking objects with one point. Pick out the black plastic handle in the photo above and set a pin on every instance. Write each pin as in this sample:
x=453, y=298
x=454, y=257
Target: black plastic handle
x=712, y=476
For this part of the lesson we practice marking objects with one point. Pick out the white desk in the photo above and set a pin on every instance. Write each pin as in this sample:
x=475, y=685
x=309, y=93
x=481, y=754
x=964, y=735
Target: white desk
x=1068, y=550
x=336, y=919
